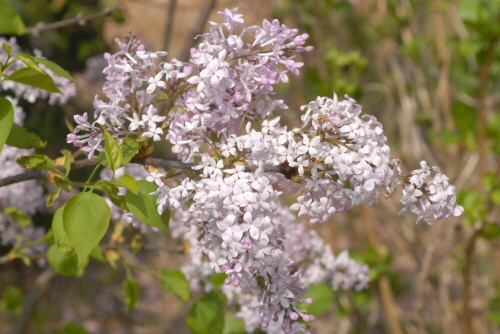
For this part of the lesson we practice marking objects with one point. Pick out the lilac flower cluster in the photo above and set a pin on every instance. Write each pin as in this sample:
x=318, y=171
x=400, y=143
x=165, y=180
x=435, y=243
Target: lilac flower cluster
x=225, y=82
x=229, y=211
x=431, y=200
x=310, y=259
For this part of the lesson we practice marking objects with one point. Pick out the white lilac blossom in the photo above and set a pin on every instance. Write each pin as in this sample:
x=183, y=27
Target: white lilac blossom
x=431, y=200
x=228, y=210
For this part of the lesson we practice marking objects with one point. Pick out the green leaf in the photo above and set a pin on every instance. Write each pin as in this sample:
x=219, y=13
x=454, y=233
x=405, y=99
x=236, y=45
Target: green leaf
x=206, y=316
x=21, y=138
x=175, y=282
x=322, y=295
x=60, y=236
x=128, y=182
x=233, y=325
x=218, y=279
x=96, y=254
x=112, y=151
x=29, y=61
x=18, y=215
x=144, y=207
x=70, y=126
x=55, y=68
x=6, y=119
x=52, y=197
x=130, y=147
x=7, y=48
x=68, y=160
x=131, y=292
x=10, y=21
x=37, y=161
x=66, y=265
x=31, y=77
x=86, y=220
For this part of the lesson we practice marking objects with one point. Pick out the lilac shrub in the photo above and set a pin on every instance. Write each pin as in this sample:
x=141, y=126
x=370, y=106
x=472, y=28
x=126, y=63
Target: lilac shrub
x=216, y=111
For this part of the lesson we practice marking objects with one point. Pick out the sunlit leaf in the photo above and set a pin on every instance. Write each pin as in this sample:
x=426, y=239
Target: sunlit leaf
x=128, y=182
x=21, y=138
x=66, y=265
x=131, y=292
x=10, y=21
x=6, y=120
x=206, y=316
x=31, y=77
x=60, y=235
x=86, y=220
x=37, y=161
x=144, y=207
x=175, y=282
x=112, y=151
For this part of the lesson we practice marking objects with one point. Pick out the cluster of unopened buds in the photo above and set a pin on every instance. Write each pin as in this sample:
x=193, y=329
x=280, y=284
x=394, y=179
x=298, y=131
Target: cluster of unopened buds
x=229, y=210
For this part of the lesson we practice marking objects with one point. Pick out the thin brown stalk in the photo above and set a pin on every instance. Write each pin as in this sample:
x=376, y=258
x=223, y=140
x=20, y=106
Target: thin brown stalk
x=78, y=19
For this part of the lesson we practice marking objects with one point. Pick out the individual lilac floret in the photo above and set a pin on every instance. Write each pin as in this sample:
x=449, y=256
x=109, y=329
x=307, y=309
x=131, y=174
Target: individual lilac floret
x=431, y=200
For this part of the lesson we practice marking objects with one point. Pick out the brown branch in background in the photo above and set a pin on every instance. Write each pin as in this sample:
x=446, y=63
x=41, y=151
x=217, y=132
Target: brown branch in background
x=170, y=24
x=40, y=288
x=167, y=164
x=197, y=29
x=78, y=19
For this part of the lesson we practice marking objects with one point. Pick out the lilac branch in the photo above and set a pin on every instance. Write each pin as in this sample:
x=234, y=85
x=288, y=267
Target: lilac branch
x=78, y=19
x=167, y=164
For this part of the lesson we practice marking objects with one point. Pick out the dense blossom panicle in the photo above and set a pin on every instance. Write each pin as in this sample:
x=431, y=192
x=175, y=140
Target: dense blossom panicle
x=228, y=209
x=431, y=200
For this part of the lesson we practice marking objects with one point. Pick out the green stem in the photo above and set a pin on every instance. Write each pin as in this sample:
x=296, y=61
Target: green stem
x=91, y=176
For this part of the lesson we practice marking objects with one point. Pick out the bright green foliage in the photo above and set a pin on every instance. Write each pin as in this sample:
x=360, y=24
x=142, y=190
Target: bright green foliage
x=131, y=293
x=10, y=21
x=38, y=161
x=68, y=160
x=128, y=182
x=66, y=265
x=86, y=220
x=233, y=325
x=35, y=78
x=21, y=138
x=175, y=282
x=6, y=120
x=54, y=68
x=144, y=207
x=206, y=316
x=60, y=236
x=130, y=147
x=113, y=152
